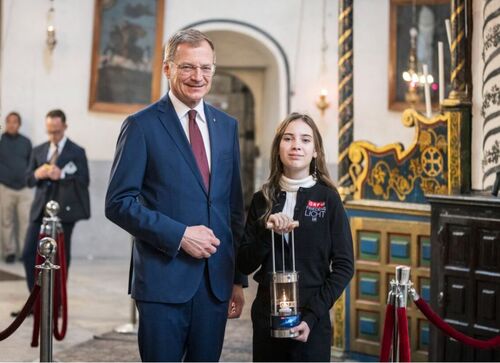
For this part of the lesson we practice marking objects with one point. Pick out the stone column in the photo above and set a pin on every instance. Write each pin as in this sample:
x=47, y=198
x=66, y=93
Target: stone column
x=490, y=110
x=346, y=107
x=458, y=51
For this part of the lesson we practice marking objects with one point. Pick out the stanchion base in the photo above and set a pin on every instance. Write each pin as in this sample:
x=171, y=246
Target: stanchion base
x=126, y=329
x=337, y=355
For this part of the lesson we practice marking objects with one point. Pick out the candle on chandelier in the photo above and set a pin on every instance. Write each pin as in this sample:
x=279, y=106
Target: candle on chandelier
x=427, y=92
x=441, y=71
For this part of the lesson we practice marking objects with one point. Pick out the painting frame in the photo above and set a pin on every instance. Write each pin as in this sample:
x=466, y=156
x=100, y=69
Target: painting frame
x=132, y=52
x=398, y=45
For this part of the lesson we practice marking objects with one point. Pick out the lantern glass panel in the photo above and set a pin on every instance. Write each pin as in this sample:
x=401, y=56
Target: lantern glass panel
x=284, y=293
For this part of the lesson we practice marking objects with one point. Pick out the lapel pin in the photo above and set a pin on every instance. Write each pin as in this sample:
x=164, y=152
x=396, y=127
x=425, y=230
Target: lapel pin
x=214, y=119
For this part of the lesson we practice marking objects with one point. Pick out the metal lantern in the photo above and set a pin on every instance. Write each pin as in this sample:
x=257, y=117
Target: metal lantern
x=284, y=293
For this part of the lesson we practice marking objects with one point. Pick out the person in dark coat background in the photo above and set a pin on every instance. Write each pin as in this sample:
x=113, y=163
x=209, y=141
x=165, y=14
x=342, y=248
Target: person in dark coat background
x=58, y=169
x=15, y=197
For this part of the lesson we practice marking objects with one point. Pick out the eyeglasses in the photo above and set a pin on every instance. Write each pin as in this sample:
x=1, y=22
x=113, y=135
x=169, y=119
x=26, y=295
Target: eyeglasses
x=190, y=69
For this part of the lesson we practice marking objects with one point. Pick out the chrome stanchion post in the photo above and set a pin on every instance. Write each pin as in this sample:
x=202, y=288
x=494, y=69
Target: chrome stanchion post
x=395, y=337
x=400, y=287
x=47, y=249
x=403, y=278
x=129, y=328
x=51, y=224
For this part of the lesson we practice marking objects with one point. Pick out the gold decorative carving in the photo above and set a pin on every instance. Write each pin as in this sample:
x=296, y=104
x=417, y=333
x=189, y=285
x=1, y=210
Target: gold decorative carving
x=383, y=179
x=339, y=323
x=454, y=172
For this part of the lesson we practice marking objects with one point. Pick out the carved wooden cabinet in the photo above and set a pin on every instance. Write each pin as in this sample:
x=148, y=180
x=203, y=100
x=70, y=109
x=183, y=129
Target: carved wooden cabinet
x=465, y=273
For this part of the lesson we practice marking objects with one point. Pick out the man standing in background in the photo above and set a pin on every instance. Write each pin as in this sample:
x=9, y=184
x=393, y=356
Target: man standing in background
x=58, y=169
x=15, y=197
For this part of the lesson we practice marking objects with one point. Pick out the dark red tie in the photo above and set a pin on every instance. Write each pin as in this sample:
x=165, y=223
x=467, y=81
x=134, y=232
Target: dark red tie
x=198, y=147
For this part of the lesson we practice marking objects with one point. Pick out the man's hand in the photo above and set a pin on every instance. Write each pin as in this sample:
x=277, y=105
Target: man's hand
x=199, y=242
x=236, y=303
x=303, y=330
x=54, y=173
x=42, y=172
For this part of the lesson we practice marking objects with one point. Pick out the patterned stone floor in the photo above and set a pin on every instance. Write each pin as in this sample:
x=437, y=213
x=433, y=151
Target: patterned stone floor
x=98, y=303
x=115, y=347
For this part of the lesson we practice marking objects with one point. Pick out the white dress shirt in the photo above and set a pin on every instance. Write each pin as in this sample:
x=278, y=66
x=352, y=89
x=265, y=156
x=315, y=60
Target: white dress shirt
x=182, y=112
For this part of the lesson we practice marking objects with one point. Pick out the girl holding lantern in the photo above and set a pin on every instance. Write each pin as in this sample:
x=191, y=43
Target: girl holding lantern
x=298, y=189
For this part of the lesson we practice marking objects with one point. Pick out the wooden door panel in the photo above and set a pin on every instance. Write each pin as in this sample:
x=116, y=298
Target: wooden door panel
x=458, y=246
x=455, y=298
x=488, y=305
x=465, y=272
x=489, y=250
x=455, y=351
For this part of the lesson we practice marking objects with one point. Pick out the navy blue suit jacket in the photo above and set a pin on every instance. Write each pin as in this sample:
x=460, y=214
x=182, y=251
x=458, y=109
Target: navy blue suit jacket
x=156, y=191
x=46, y=188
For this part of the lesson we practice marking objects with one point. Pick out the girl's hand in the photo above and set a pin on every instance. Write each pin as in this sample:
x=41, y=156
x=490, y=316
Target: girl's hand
x=281, y=223
x=303, y=330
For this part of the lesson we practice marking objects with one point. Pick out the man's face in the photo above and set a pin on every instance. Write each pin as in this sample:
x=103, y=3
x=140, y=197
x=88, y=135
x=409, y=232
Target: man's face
x=12, y=125
x=188, y=74
x=55, y=129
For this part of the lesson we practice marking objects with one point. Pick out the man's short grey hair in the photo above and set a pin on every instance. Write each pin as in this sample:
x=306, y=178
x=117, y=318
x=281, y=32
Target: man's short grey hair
x=191, y=36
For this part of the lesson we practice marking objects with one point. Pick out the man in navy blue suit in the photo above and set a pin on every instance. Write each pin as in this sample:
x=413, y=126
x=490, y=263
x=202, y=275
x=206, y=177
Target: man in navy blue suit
x=58, y=169
x=175, y=186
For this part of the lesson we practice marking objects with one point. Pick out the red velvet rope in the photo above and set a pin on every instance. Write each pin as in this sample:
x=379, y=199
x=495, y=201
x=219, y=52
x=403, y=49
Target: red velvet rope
x=60, y=292
x=36, y=309
x=22, y=315
x=59, y=295
x=385, y=349
x=404, y=339
x=455, y=334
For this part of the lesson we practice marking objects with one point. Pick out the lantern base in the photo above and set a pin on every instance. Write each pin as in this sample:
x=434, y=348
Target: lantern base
x=281, y=325
x=283, y=334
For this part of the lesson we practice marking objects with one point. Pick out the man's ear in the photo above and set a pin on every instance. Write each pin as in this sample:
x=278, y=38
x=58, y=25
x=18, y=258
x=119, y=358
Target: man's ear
x=167, y=69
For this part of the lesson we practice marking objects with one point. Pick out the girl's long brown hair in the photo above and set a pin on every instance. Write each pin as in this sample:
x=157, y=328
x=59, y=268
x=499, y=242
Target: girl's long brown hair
x=271, y=187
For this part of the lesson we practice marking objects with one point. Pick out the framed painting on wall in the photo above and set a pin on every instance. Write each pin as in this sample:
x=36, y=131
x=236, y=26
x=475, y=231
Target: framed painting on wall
x=126, y=55
x=427, y=17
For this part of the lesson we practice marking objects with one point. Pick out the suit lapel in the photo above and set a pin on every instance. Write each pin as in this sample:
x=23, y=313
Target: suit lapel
x=64, y=157
x=172, y=124
x=215, y=141
x=42, y=154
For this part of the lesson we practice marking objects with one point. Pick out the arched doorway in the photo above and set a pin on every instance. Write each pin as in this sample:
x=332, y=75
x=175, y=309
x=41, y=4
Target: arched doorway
x=259, y=64
x=233, y=96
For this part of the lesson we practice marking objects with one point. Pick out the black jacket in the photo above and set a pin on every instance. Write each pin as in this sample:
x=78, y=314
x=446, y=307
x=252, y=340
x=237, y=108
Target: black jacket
x=15, y=153
x=323, y=249
x=71, y=192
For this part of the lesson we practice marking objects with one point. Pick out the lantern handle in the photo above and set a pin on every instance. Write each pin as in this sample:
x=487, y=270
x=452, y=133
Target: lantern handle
x=270, y=225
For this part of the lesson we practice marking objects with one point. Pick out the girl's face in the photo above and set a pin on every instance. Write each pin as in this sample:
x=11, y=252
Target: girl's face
x=297, y=149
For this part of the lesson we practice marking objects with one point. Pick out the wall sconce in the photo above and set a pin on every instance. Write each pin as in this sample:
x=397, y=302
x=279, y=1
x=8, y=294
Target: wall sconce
x=51, y=30
x=322, y=102
x=51, y=37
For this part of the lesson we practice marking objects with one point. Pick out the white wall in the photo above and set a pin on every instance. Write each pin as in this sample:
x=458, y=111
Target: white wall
x=31, y=87
x=372, y=119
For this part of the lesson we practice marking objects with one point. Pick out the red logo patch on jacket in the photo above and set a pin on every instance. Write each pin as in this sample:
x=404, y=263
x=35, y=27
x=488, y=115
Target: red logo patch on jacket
x=315, y=210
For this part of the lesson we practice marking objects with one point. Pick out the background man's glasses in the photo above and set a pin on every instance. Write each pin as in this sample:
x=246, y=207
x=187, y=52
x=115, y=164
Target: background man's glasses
x=190, y=69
